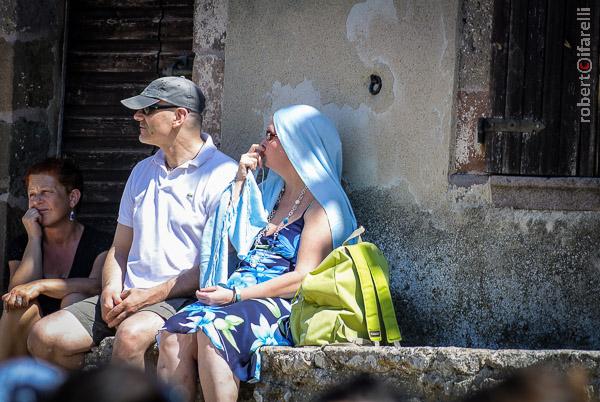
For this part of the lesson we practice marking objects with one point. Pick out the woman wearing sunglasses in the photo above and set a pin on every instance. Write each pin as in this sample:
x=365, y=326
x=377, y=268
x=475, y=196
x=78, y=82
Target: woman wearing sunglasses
x=281, y=230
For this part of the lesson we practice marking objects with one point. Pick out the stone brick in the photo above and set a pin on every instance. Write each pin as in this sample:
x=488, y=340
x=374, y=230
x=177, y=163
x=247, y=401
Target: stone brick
x=210, y=20
x=6, y=74
x=29, y=144
x=5, y=134
x=422, y=374
x=8, y=17
x=30, y=16
x=4, y=270
x=470, y=106
x=101, y=355
x=33, y=80
x=475, y=49
x=209, y=74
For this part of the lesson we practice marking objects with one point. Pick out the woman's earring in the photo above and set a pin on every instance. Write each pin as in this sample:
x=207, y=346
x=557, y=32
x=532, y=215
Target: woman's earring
x=72, y=215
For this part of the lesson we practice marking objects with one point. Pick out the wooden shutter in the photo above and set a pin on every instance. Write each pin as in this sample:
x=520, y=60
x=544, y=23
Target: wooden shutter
x=115, y=48
x=535, y=81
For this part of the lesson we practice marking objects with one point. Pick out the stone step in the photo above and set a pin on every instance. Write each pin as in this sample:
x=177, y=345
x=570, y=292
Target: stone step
x=424, y=373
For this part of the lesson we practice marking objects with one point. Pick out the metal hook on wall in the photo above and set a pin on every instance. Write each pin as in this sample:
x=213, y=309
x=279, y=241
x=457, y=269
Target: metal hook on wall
x=375, y=85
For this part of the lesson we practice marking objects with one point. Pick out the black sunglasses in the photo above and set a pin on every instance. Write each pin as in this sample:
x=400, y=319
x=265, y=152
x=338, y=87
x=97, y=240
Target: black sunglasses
x=269, y=135
x=149, y=109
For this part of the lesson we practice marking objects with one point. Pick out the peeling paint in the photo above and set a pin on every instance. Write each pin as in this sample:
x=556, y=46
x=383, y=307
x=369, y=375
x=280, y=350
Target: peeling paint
x=362, y=15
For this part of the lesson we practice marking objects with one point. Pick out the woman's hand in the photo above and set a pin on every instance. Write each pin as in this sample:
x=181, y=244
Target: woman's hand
x=215, y=296
x=20, y=296
x=31, y=220
x=250, y=161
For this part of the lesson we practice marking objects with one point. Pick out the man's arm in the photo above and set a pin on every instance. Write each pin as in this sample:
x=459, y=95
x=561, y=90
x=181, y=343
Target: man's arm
x=114, y=270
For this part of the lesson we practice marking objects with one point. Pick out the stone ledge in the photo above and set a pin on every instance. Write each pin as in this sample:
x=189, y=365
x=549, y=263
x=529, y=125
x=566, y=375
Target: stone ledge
x=424, y=373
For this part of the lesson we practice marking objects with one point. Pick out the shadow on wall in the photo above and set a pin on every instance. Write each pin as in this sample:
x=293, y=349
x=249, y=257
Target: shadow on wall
x=485, y=277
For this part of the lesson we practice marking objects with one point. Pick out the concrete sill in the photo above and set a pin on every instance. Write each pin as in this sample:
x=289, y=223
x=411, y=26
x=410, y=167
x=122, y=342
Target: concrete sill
x=546, y=193
x=541, y=193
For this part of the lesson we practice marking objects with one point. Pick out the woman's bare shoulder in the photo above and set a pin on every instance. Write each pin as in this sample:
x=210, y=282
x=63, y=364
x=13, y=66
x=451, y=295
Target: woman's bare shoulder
x=315, y=212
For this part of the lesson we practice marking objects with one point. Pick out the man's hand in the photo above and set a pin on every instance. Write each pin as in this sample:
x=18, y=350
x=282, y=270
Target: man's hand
x=132, y=301
x=20, y=296
x=108, y=300
x=215, y=296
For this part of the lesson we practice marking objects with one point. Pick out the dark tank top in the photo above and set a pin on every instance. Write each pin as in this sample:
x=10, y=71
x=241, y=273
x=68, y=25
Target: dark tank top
x=92, y=243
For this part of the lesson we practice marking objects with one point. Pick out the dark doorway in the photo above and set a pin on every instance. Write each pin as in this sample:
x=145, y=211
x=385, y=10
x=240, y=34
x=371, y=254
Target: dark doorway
x=114, y=49
x=544, y=89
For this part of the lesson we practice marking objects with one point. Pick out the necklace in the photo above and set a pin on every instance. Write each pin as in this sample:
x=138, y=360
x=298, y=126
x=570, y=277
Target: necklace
x=256, y=258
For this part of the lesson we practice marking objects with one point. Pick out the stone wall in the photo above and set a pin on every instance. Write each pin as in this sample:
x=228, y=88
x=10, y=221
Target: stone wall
x=464, y=272
x=31, y=35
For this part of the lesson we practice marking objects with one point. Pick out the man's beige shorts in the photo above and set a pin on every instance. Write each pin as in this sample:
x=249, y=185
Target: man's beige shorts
x=90, y=316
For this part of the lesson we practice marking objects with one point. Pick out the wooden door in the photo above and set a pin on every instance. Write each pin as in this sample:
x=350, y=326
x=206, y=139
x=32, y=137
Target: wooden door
x=544, y=73
x=114, y=49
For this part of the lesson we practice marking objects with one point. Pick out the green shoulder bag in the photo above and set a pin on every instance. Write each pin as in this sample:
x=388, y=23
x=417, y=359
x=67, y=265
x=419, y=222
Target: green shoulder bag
x=346, y=299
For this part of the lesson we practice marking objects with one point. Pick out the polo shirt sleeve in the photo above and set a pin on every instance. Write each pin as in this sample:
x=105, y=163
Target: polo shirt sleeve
x=127, y=203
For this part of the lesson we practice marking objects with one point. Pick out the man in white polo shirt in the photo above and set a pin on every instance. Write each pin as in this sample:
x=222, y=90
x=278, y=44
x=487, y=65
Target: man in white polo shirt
x=151, y=270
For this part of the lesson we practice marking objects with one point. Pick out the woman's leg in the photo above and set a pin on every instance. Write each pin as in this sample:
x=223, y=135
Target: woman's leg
x=218, y=382
x=177, y=362
x=14, y=327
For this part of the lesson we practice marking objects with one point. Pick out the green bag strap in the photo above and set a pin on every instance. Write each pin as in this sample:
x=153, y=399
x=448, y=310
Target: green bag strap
x=384, y=296
x=357, y=233
x=392, y=331
x=369, y=297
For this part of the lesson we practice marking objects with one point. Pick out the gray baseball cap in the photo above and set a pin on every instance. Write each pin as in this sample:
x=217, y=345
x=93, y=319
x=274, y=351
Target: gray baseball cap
x=178, y=91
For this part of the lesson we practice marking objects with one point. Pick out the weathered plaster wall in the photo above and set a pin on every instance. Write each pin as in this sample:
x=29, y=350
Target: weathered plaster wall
x=463, y=272
x=30, y=87
x=279, y=53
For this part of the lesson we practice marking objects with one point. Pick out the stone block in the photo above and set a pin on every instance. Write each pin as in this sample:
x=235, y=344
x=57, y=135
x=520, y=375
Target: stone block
x=101, y=355
x=210, y=21
x=209, y=74
x=470, y=106
x=38, y=16
x=30, y=142
x=5, y=135
x=421, y=373
x=3, y=271
x=30, y=16
x=8, y=17
x=33, y=74
x=6, y=72
x=475, y=50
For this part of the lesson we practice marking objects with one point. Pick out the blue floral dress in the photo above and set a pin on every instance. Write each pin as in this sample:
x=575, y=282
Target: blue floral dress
x=238, y=330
